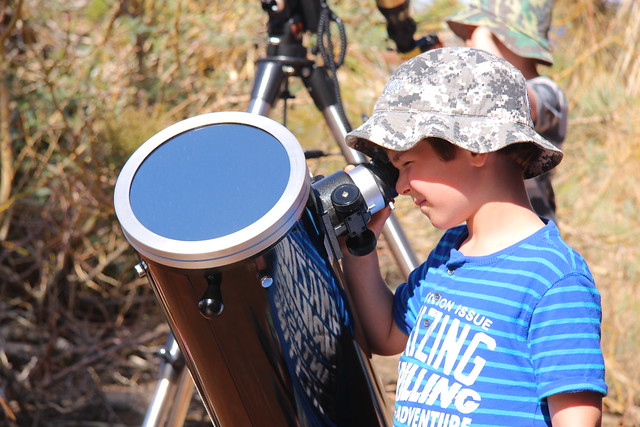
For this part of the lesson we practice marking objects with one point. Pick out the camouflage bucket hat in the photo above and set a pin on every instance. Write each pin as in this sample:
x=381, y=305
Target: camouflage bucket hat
x=522, y=26
x=466, y=96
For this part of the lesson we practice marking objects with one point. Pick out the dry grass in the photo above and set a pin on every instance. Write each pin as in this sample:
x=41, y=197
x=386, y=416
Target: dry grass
x=83, y=83
x=597, y=184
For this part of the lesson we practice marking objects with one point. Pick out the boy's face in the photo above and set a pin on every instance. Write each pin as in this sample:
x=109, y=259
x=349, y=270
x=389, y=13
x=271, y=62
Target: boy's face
x=442, y=190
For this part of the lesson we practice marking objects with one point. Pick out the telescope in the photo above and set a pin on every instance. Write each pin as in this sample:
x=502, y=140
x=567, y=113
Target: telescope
x=240, y=246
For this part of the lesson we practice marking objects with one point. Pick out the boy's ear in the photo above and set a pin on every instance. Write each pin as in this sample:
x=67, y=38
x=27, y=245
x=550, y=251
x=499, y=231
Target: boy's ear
x=478, y=159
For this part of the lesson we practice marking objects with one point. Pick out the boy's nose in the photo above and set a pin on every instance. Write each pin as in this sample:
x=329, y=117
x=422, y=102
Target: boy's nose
x=402, y=186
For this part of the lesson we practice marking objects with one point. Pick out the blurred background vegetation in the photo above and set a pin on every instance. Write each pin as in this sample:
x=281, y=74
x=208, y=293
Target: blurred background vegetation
x=84, y=82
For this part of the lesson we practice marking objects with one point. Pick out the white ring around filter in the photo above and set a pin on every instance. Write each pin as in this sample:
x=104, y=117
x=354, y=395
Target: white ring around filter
x=236, y=246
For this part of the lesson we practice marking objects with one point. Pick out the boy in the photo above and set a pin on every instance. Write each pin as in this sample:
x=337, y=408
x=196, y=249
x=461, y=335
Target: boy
x=501, y=324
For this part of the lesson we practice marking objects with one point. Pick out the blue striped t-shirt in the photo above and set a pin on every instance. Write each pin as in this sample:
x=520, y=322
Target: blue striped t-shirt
x=491, y=337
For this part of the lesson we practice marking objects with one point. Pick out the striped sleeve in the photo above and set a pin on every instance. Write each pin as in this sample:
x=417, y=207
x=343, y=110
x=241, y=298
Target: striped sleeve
x=564, y=338
x=406, y=304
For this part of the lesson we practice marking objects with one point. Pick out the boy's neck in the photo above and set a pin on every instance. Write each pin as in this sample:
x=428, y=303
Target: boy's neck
x=498, y=225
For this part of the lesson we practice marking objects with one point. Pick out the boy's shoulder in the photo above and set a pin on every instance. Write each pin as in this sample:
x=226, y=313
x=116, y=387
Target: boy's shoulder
x=545, y=250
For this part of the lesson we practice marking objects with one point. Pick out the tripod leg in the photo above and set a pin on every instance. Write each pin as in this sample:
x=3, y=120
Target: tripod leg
x=267, y=86
x=171, y=398
x=322, y=90
x=174, y=388
x=397, y=241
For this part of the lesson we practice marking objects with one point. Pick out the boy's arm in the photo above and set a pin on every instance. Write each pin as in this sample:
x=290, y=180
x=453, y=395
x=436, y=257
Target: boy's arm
x=372, y=298
x=581, y=409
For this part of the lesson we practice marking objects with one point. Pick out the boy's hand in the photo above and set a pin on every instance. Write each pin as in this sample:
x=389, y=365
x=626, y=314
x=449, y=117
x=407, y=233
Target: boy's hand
x=376, y=223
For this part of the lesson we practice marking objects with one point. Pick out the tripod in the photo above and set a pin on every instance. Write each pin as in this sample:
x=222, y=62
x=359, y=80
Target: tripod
x=286, y=57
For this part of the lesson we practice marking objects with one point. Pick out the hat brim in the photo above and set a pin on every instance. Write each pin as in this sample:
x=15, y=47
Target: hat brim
x=401, y=130
x=516, y=40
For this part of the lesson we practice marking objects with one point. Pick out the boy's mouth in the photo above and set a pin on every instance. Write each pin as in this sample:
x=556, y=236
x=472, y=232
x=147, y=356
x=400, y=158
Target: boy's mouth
x=419, y=202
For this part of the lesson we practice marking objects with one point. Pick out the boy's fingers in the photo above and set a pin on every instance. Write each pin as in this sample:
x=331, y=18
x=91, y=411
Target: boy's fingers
x=378, y=219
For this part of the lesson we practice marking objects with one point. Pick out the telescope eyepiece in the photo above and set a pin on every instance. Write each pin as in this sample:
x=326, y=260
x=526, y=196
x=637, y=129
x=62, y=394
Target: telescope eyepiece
x=347, y=200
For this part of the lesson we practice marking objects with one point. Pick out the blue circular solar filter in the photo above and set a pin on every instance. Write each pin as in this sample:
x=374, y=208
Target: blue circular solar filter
x=209, y=182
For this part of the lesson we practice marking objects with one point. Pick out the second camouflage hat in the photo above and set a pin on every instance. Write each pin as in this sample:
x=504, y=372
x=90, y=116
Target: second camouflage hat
x=521, y=25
